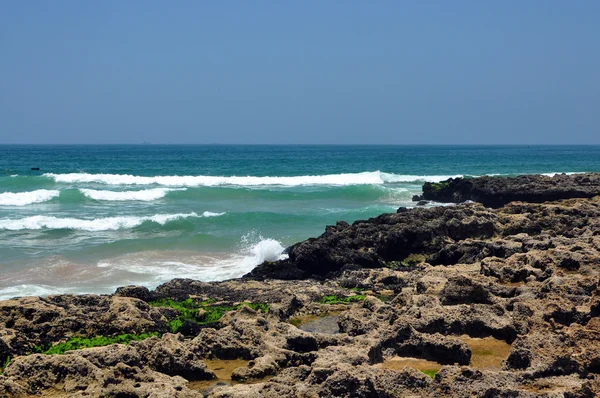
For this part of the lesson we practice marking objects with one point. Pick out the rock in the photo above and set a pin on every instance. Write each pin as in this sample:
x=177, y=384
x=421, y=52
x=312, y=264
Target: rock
x=138, y=292
x=169, y=355
x=55, y=318
x=463, y=290
x=42, y=372
x=326, y=324
x=384, y=240
x=302, y=342
x=498, y=191
x=258, y=368
x=111, y=355
x=10, y=388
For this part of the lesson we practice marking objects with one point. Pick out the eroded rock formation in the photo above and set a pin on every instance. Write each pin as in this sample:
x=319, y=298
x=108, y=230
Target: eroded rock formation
x=496, y=191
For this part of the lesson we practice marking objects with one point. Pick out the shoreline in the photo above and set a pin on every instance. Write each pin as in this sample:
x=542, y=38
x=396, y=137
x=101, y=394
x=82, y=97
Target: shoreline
x=405, y=284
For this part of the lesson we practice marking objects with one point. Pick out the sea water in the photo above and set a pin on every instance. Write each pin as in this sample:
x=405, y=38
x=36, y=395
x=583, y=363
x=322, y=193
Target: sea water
x=97, y=217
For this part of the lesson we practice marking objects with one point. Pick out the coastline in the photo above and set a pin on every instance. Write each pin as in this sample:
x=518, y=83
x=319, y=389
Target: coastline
x=523, y=273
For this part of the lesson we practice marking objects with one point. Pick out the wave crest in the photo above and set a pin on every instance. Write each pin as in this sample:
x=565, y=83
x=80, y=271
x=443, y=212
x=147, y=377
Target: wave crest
x=367, y=177
x=27, y=198
x=158, y=267
x=145, y=195
x=97, y=224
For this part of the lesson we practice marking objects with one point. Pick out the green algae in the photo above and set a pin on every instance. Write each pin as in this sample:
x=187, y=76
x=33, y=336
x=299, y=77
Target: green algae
x=333, y=299
x=409, y=261
x=5, y=364
x=430, y=372
x=438, y=186
x=76, y=343
x=200, y=313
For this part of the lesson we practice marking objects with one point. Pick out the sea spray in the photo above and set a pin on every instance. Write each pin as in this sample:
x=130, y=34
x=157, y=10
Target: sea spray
x=151, y=268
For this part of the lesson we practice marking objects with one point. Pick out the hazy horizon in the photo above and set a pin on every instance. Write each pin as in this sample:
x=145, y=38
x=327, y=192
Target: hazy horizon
x=301, y=145
x=310, y=73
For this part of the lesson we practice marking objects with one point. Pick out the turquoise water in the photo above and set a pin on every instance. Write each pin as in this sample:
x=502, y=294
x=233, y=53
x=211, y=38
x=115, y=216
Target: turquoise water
x=97, y=217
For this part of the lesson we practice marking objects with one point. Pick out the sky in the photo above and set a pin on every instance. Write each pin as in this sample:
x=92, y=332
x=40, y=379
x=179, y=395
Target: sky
x=302, y=72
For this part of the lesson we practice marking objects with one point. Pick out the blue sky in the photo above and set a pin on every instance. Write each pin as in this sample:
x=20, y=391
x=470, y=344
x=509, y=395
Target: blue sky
x=322, y=72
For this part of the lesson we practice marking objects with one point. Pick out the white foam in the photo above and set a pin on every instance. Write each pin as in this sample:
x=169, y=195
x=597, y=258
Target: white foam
x=568, y=173
x=97, y=224
x=152, y=268
x=144, y=195
x=146, y=268
x=265, y=250
x=364, y=178
x=212, y=214
x=39, y=290
x=413, y=178
x=28, y=290
x=27, y=198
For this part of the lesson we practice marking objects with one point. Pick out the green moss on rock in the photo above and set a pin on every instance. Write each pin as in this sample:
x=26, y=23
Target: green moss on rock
x=333, y=299
x=430, y=372
x=201, y=313
x=76, y=343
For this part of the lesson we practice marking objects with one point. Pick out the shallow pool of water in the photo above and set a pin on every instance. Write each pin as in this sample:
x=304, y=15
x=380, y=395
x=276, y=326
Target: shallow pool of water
x=222, y=369
x=486, y=353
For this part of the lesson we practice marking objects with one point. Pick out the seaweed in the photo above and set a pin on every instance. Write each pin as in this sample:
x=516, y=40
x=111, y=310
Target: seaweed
x=385, y=298
x=430, y=372
x=333, y=299
x=76, y=343
x=202, y=313
x=408, y=262
x=438, y=186
x=412, y=260
x=5, y=364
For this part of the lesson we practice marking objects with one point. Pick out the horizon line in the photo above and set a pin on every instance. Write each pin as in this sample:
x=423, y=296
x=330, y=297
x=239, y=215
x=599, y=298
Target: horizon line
x=270, y=144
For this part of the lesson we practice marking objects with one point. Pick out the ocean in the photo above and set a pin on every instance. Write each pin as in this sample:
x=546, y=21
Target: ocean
x=93, y=218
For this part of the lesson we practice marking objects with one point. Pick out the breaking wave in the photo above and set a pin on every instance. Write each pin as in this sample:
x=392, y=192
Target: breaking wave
x=145, y=195
x=27, y=198
x=155, y=267
x=97, y=224
x=368, y=177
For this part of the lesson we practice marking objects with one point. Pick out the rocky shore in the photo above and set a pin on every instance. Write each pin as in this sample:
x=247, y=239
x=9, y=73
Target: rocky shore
x=447, y=301
x=497, y=191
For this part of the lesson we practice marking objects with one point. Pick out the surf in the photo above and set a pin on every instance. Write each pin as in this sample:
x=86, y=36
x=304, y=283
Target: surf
x=27, y=198
x=143, y=195
x=94, y=225
x=343, y=179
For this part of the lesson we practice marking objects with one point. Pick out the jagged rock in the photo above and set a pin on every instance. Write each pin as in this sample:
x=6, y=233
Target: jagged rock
x=225, y=343
x=498, y=191
x=379, y=241
x=463, y=290
x=111, y=355
x=169, y=355
x=326, y=324
x=258, y=368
